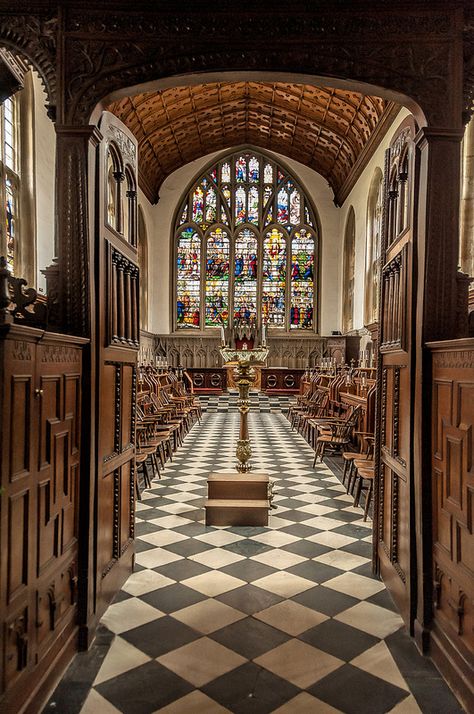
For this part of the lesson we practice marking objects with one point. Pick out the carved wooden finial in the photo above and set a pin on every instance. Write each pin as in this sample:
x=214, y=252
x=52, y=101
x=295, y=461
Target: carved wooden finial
x=5, y=300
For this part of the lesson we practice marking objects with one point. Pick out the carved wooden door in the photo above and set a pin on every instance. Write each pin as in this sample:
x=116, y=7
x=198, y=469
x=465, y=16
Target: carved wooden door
x=118, y=336
x=393, y=527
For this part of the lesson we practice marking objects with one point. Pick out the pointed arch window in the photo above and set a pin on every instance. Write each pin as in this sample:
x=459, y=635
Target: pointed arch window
x=246, y=248
x=349, y=273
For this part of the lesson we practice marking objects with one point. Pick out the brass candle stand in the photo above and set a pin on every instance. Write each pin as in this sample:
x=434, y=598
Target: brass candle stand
x=244, y=377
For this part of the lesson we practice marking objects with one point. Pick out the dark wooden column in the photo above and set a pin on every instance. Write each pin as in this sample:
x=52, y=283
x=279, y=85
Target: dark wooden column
x=73, y=198
x=75, y=191
x=440, y=315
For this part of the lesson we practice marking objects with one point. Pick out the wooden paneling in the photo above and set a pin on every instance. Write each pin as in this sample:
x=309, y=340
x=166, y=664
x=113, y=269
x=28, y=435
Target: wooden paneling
x=281, y=380
x=118, y=328
x=41, y=417
x=453, y=504
x=393, y=454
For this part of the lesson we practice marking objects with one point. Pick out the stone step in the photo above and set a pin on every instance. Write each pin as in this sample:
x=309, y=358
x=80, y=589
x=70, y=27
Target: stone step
x=236, y=512
x=238, y=486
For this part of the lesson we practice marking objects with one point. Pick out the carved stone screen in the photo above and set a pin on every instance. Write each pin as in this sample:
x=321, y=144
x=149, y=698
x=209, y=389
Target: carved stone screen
x=246, y=248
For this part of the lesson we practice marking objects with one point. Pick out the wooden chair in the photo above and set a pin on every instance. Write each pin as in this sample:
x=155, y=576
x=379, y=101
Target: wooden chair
x=334, y=433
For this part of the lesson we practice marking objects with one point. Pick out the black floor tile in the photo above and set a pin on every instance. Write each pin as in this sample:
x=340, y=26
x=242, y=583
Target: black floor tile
x=188, y=547
x=339, y=639
x=172, y=597
x=300, y=530
x=141, y=546
x=325, y=600
x=250, y=689
x=247, y=547
x=160, y=636
x=144, y=689
x=250, y=637
x=249, y=599
x=248, y=570
x=182, y=569
x=306, y=548
x=312, y=570
x=359, y=547
x=354, y=691
x=352, y=531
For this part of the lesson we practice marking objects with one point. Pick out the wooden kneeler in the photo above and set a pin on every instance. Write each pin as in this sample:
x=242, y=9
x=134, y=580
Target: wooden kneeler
x=236, y=499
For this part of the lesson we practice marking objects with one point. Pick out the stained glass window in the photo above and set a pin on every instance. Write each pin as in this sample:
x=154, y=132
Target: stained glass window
x=188, y=279
x=274, y=278
x=217, y=278
x=9, y=180
x=245, y=273
x=246, y=245
x=302, y=280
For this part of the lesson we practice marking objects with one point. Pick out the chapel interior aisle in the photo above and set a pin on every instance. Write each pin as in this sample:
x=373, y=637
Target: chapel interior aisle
x=283, y=619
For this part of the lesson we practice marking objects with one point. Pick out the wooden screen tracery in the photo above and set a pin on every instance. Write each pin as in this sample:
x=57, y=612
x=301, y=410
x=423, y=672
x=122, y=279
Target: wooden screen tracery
x=246, y=248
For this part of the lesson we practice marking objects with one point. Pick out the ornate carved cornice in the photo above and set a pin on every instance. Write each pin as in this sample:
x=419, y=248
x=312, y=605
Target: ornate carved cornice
x=34, y=37
x=412, y=52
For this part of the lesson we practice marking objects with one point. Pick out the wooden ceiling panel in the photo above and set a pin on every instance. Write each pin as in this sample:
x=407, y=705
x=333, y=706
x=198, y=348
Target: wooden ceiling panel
x=324, y=128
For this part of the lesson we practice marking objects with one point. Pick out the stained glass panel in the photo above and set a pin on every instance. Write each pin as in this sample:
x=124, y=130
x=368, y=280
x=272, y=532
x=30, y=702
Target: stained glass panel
x=224, y=218
x=274, y=279
x=10, y=224
x=184, y=214
x=240, y=200
x=198, y=205
x=252, y=215
x=214, y=174
x=268, y=173
x=302, y=280
x=253, y=169
x=225, y=172
x=282, y=206
x=188, y=279
x=241, y=169
x=211, y=205
x=295, y=207
x=307, y=217
x=217, y=278
x=227, y=195
x=245, y=273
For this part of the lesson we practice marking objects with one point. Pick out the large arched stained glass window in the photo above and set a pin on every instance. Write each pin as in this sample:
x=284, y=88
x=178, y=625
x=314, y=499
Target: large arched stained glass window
x=246, y=247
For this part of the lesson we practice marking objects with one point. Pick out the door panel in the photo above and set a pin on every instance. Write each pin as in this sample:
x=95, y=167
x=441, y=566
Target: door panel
x=118, y=333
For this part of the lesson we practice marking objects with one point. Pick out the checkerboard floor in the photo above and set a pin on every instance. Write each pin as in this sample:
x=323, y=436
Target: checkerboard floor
x=285, y=619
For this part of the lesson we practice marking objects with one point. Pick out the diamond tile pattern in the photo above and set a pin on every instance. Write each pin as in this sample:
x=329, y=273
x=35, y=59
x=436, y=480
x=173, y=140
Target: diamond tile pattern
x=281, y=619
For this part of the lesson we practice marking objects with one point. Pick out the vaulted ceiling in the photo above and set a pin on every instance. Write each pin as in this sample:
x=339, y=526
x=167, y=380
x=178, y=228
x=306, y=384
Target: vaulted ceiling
x=325, y=129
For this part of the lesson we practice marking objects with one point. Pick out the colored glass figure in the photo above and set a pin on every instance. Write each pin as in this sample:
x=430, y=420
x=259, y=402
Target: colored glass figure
x=213, y=175
x=245, y=272
x=267, y=192
x=241, y=169
x=295, y=207
x=184, y=214
x=217, y=278
x=225, y=172
x=307, y=217
x=274, y=279
x=211, y=205
x=224, y=218
x=198, y=205
x=253, y=169
x=252, y=215
x=268, y=173
x=240, y=200
x=302, y=280
x=227, y=195
x=282, y=206
x=280, y=175
x=269, y=217
x=10, y=225
x=188, y=279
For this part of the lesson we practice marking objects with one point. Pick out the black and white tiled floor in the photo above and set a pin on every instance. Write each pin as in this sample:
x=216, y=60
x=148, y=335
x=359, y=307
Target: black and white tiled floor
x=259, y=402
x=283, y=619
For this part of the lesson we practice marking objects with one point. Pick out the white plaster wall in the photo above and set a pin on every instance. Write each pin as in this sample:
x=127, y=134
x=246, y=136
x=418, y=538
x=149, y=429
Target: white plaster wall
x=44, y=173
x=358, y=198
x=160, y=219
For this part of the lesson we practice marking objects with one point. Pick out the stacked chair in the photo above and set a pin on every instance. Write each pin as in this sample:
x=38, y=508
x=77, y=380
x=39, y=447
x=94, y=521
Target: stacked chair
x=165, y=414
